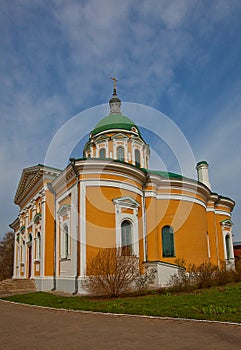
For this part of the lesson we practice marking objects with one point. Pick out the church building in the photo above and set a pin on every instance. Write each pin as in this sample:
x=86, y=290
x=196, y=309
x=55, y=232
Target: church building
x=110, y=198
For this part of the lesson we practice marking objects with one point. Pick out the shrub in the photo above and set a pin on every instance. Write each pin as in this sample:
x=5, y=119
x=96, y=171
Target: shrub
x=144, y=280
x=224, y=275
x=112, y=272
x=238, y=269
x=182, y=281
x=204, y=275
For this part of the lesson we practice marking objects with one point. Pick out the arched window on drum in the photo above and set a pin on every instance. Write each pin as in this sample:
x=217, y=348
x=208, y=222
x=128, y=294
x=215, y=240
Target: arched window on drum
x=137, y=158
x=120, y=153
x=102, y=153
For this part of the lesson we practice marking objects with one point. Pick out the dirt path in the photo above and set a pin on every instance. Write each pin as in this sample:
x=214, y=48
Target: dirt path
x=24, y=327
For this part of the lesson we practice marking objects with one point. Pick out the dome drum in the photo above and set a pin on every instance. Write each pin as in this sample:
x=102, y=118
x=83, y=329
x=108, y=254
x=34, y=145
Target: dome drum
x=117, y=137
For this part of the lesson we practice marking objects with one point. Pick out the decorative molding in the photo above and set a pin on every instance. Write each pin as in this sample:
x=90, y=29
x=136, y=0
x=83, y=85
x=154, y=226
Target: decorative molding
x=32, y=178
x=37, y=218
x=226, y=223
x=119, y=136
x=64, y=210
x=126, y=202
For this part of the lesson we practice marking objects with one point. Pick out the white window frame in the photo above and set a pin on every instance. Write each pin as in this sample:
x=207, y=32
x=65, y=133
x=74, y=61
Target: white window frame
x=127, y=203
x=64, y=211
x=117, y=155
x=131, y=236
x=225, y=234
x=104, y=149
x=120, y=140
x=38, y=246
x=101, y=144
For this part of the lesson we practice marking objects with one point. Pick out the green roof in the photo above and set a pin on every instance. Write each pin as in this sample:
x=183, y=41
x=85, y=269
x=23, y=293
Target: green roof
x=169, y=175
x=114, y=121
x=165, y=174
x=202, y=162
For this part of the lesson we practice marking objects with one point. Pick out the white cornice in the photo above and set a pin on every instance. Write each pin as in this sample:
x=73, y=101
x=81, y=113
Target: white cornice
x=114, y=184
x=110, y=131
x=181, y=184
x=101, y=167
x=222, y=212
x=226, y=202
x=180, y=197
x=209, y=209
x=119, y=136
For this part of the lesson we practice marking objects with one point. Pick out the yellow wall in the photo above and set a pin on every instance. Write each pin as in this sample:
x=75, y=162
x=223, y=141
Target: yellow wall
x=100, y=218
x=189, y=230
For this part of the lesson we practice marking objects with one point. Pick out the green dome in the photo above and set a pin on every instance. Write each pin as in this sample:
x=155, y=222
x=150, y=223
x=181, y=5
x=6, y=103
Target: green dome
x=114, y=121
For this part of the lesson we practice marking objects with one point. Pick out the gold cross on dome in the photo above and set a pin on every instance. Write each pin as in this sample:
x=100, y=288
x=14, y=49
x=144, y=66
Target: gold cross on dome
x=115, y=81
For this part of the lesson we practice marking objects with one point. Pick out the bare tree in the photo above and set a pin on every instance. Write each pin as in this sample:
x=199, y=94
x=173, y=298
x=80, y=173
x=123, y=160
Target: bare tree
x=6, y=255
x=111, y=272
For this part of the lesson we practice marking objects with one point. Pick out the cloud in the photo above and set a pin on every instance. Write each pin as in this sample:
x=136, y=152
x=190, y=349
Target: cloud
x=176, y=56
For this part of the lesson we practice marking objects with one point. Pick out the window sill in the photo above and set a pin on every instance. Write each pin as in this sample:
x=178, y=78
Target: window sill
x=65, y=259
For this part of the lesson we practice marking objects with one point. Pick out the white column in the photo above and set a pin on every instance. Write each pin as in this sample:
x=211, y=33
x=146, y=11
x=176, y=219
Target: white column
x=117, y=226
x=74, y=230
x=18, y=245
x=33, y=256
x=82, y=220
x=58, y=225
x=14, y=257
x=144, y=224
x=25, y=256
x=43, y=225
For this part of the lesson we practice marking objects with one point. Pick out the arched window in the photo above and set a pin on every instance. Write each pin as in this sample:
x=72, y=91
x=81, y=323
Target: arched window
x=120, y=153
x=66, y=241
x=102, y=153
x=168, y=242
x=126, y=237
x=137, y=158
x=38, y=248
x=23, y=251
x=227, y=244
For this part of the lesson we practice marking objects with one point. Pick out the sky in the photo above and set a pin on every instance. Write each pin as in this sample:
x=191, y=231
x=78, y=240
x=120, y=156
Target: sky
x=179, y=57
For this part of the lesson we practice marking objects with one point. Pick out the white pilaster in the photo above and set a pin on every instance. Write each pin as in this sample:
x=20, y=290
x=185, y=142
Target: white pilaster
x=43, y=233
x=82, y=220
x=74, y=230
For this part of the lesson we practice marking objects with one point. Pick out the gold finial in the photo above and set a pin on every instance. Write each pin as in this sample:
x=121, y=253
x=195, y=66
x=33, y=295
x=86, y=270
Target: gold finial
x=115, y=81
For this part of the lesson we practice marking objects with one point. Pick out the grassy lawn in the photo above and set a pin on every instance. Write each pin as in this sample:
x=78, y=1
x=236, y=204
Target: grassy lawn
x=218, y=303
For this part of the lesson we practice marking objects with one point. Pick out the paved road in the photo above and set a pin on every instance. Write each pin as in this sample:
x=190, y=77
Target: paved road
x=24, y=327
